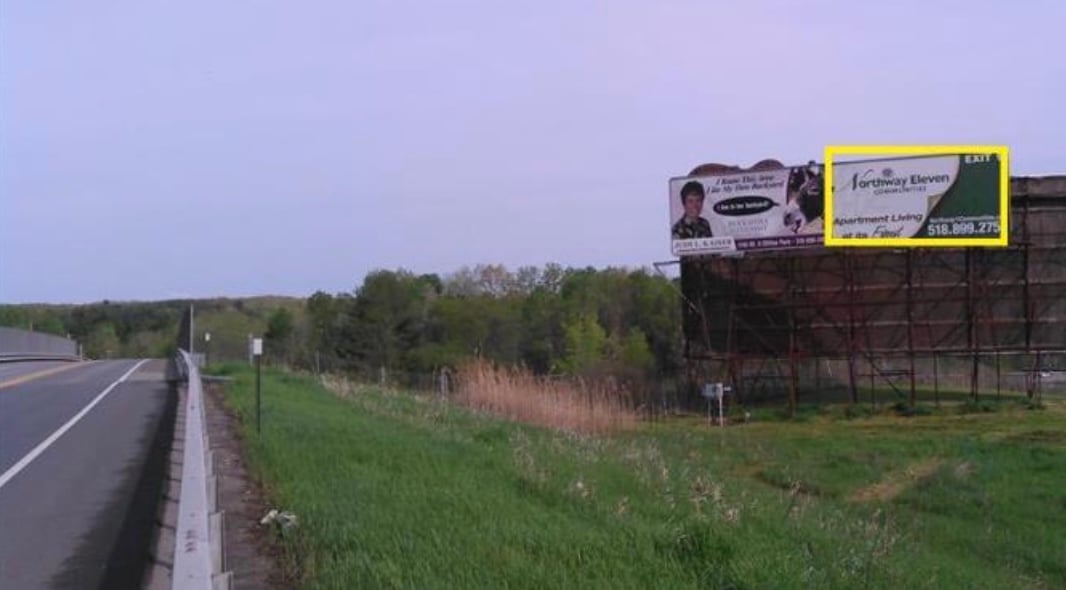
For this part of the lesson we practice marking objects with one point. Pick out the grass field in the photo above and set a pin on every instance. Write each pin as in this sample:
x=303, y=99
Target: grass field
x=397, y=491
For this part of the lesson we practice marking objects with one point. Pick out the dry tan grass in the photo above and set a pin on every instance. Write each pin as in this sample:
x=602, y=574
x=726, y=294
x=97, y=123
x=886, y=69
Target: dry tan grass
x=338, y=385
x=579, y=407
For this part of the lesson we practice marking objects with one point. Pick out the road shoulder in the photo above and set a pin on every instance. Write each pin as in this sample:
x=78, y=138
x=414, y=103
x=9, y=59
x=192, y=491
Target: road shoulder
x=251, y=555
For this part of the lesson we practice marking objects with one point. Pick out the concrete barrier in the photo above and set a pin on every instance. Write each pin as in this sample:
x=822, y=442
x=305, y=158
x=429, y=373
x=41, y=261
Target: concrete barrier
x=24, y=343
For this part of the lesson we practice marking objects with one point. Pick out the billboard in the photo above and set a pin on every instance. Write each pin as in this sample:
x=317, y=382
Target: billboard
x=740, y=210
x=931, y=199
x=926, y=196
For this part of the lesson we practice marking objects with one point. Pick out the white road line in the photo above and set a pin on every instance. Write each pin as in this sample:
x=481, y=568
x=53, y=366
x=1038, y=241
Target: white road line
x=23, y=462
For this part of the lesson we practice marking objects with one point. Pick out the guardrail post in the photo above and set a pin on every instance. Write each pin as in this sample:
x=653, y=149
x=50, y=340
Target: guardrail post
x=217, y=522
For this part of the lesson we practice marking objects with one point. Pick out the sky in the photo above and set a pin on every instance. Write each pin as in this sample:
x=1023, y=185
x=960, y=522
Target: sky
x=153, y=150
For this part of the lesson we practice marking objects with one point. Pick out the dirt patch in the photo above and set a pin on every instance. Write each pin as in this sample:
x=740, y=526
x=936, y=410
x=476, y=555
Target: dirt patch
x=251, y=554
x=1051, y=437
x=964, y=470
x=793, y=487
x=896, y=483
x=750, y=470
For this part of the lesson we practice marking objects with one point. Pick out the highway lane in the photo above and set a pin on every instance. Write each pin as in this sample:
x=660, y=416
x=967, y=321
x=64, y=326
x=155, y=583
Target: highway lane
x=78, y=513
x=31, y=411
x=13, y=370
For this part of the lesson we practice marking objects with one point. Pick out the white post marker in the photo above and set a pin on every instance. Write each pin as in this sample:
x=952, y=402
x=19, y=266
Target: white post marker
x=257, y=352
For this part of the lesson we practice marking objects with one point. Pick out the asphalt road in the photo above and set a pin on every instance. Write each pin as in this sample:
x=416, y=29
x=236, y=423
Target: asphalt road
x=11, y=371
x=80, y=474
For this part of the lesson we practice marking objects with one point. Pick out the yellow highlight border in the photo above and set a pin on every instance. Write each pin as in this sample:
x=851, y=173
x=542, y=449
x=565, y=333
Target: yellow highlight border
x=918, y=150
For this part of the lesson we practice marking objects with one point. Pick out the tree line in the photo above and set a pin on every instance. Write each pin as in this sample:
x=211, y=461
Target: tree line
x=550, y=320
x=104, y=329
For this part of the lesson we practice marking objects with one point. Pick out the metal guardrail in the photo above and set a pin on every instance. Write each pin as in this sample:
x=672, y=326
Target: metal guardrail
x=199, y=560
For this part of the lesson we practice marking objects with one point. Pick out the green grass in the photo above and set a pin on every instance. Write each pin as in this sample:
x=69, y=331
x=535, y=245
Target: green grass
x=394, y=491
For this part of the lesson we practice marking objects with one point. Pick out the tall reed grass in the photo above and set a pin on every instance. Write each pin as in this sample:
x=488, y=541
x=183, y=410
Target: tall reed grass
x=576, y=406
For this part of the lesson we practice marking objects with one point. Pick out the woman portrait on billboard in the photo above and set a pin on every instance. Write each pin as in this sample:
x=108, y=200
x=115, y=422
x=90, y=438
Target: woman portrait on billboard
x=692, y=224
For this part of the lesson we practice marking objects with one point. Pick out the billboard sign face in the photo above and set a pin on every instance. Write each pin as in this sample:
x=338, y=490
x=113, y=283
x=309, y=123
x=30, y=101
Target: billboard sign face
x=738, y=211
x=943, y=199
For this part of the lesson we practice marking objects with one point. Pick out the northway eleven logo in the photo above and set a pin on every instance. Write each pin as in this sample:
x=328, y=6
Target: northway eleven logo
x=888, y=182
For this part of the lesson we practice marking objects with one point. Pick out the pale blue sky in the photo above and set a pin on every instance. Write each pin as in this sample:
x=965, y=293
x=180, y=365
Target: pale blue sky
x=162, y=149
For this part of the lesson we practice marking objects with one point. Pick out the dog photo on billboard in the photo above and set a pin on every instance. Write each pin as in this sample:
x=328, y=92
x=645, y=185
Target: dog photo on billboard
x=806, y=198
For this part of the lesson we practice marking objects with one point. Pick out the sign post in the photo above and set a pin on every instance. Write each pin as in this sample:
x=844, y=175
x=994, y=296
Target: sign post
x=257, y=352
x=715, y=391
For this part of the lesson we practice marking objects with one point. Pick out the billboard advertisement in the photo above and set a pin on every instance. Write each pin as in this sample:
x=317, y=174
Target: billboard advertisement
x=736, y=211
x=946, y=199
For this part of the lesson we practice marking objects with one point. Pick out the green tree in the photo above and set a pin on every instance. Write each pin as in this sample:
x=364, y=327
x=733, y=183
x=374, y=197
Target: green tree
x=387, y=319
x=635, y=352
x=102, y=342
x=586, y=346
x=542, y=330
x=460, y=326
x=50, y=324
x=656, y=310
x=280, y=327
x=13, y=317
x=323, y=313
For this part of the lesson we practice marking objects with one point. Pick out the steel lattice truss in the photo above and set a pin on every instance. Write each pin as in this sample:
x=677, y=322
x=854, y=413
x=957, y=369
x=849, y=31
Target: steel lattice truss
x=877, y=305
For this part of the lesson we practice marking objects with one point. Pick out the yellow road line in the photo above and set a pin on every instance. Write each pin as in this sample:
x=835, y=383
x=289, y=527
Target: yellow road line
x=39, y=374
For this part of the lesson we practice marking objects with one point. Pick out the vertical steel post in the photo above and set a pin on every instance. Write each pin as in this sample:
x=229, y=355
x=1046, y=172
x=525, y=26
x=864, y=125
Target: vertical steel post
x=732, y=360
x=849, y=278
x=910, y=320
x=971, y=323
x=936, y=379
x=1027, y=302
x=191, y=330
x=793, y=377
x=997, y=376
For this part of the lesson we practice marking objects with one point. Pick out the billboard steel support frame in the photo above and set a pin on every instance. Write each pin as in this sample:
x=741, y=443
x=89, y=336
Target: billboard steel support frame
x=896, y=313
